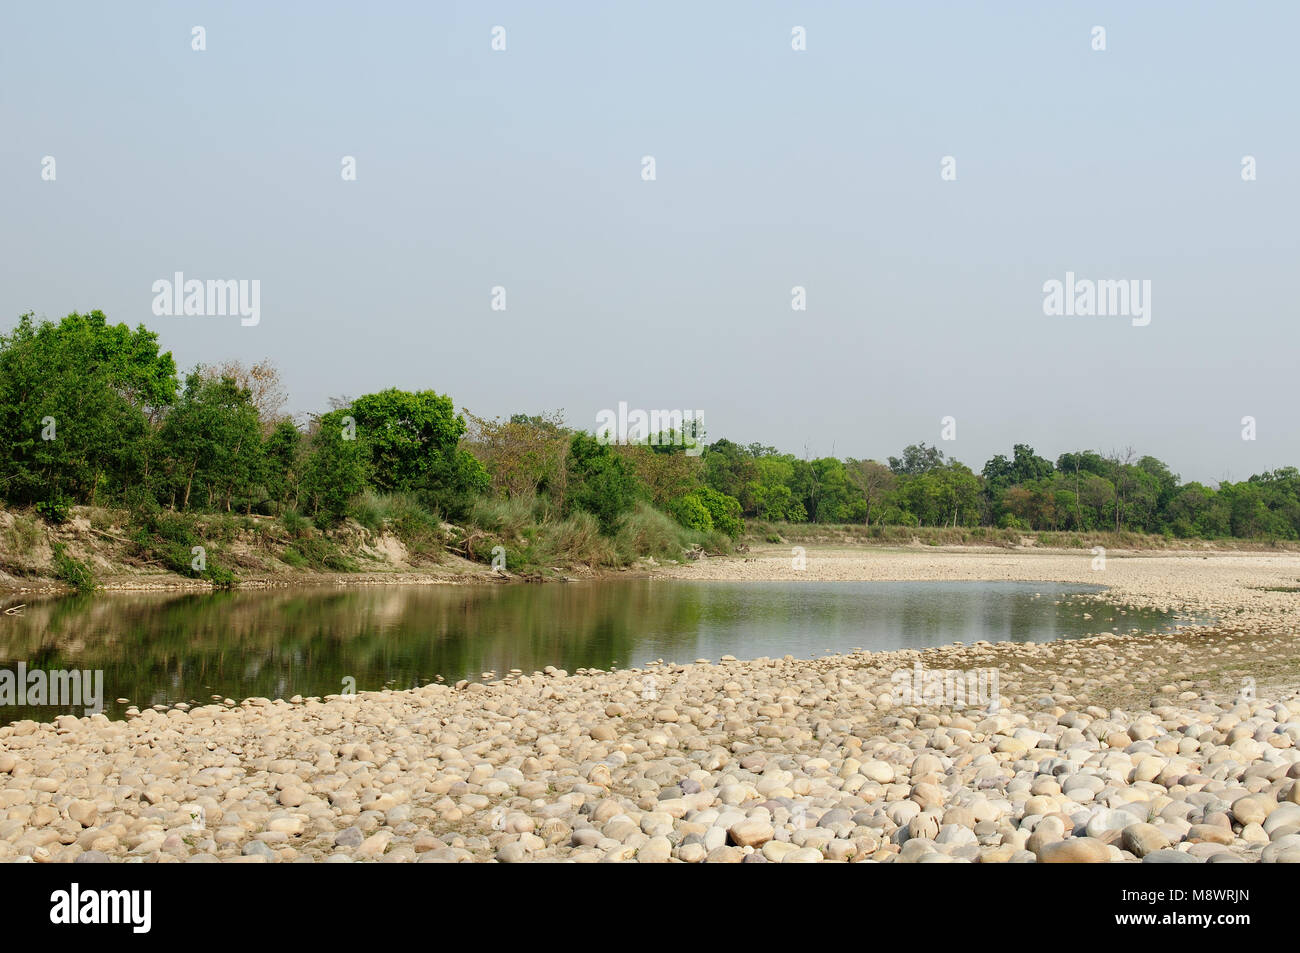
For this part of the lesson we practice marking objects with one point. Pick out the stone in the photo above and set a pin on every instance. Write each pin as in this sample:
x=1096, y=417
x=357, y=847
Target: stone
x=1142, y=839
x=750, y=833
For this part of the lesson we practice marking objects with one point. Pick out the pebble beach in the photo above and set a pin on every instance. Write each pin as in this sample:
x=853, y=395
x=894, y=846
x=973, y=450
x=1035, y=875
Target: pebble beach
x=1120, y=747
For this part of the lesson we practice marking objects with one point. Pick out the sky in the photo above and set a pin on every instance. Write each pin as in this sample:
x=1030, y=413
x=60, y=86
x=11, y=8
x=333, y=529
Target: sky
x=774, y=168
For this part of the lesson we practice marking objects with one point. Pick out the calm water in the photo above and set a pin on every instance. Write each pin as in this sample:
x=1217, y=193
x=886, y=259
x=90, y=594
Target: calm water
x=167, y=648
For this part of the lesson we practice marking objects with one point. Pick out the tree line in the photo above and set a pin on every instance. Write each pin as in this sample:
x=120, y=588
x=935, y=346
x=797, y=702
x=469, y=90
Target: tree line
x=94, y=413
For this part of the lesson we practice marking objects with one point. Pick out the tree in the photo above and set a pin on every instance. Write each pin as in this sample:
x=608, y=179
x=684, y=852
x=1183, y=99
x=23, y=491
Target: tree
x=729, y=468
x=262, y=381
x=413, y=444
x=337, y=466
x=211, y=440
x=524, y=455
x=917, y=459
x=666, y=475
x=874, y=481
x=600, y=482
x=772, y=493
x=282, y=453
x=77, y=402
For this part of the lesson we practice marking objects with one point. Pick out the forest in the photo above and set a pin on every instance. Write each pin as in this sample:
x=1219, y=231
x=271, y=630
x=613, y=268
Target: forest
x=94, y=413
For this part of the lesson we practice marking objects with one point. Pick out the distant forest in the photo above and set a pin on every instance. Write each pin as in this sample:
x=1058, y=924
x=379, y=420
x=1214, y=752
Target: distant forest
x=93, y=413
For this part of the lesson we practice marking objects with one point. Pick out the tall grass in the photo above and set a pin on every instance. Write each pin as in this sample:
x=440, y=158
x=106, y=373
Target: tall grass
x=23, y=535
x=510, y=518
x=647, y=531
x=419, y=528
x=576, y=541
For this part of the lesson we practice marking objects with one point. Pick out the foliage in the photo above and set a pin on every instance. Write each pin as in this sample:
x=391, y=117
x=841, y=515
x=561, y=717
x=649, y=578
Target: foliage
x=337, y=466
x=76, y=400
x=75, y=573
x=691, y=512
x=93, y=413
x=55, y=510
x=600, y=482
x=412, y=444
x=211, y=445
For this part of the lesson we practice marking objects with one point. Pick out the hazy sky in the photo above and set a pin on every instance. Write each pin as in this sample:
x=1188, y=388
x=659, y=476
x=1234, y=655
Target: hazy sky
x=775, y=168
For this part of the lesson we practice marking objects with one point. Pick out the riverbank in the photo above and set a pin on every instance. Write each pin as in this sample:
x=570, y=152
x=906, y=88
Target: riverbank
x=233, y=551
x=1118, y=747
x=1256, y=588
x=101, y=550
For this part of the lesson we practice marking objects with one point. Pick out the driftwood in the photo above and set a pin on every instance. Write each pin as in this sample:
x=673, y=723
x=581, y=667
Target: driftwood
x=120, y=539
x=466, y=547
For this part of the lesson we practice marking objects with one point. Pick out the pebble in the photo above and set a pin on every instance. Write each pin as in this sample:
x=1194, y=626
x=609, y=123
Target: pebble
x=764, y=761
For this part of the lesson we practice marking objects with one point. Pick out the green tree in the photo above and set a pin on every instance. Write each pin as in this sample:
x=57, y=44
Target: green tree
x=282, y=451
x=77, y=402
x=337, y=466
x=917, y=458
x=600, y=482
x=212, y=441
x=413, y=443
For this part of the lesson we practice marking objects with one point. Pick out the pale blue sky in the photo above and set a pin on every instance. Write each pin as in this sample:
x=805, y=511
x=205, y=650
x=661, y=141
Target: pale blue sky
x=775, y=169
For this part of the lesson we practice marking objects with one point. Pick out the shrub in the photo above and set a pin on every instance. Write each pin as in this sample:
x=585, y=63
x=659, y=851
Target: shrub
x=418, y=528
x=368, y=510
x=724, y=510
x=690, y=511
x=317, y=552
x=509, y=517
x=600, y=482
x=55, y=510
x=706, y=510
x=75, y=573
x=295, y=523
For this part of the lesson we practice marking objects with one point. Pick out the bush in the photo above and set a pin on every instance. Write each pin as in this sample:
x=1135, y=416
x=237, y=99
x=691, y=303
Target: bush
x=55, y=510
x=75, y=573
x=317, y=552
x=724, y=510
x=368, y=510
x=705, y=510
x=402, y=515
x=295, y=523
x=418, y=529
x=600, y=482
x=690, y=511
x=171, y=537
x=509, y=518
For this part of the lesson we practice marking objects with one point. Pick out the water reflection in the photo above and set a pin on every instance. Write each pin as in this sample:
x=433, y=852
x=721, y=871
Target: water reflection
x=158, y=648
